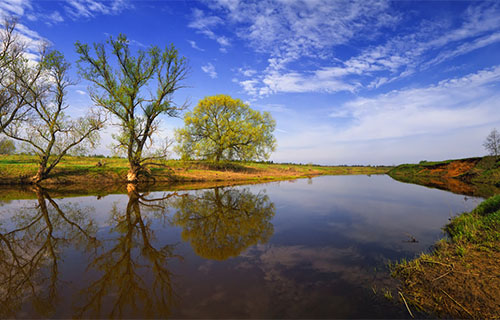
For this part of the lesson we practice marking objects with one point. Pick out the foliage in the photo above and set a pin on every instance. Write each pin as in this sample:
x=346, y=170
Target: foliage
x=48, y=132
x=223, y=128
x=15, y=75
x=136, y=93
x=492, y=143
x=7, y=146
x=222, y=222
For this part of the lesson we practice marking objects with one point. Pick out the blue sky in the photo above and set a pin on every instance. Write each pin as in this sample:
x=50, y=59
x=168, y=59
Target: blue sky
x=348, y=82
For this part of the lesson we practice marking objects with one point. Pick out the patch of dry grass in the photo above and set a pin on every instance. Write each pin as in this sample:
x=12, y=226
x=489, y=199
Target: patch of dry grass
x=461, y=277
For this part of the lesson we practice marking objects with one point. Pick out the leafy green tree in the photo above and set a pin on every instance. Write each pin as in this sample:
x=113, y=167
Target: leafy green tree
x=222, y=222
x=223, y=128
x=136, y=92
x=7, y=146
x=48, y=132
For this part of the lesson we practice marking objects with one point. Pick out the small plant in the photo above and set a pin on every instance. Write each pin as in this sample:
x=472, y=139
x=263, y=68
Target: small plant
x=388, y=294
x=461, y=251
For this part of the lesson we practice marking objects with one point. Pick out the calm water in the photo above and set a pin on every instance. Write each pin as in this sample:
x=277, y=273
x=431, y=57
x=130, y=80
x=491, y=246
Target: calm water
x=304, y=249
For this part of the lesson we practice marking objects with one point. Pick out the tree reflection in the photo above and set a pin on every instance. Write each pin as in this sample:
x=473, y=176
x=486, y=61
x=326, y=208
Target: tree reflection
x=30, y=254
x=135, y=279
x=222, y=222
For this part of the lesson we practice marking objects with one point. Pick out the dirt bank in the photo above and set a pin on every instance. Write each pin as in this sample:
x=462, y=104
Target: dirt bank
x=471, y=176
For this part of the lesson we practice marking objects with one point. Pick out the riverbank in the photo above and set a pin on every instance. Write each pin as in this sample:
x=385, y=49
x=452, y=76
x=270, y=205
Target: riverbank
x=461, y=277
x=17, y=169
x=472, y=176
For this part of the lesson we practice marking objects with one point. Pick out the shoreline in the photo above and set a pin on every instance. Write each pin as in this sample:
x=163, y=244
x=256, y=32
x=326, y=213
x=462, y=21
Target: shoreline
x=83, y=173
x=460, y=278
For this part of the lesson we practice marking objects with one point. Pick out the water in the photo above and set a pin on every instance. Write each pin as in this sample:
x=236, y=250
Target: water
x=314, y=248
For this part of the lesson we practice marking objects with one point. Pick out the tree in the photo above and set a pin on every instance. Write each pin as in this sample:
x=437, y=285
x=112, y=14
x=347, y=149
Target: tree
x=222, y=222
x=15, y=75
x=7, y=146
x=223, y=128
x=131, y=259
x=492, y=143
x=48, y=131
x=32, y=250
x=127, y=92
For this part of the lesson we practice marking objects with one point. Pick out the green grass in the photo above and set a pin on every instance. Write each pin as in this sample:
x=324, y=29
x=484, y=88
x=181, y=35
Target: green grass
x=480, y=226
x=16, y=169
x=458, y=279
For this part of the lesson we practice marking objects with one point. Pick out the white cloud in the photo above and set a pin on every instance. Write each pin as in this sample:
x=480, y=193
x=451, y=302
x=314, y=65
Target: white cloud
x=210, y=70
x=194, y=45
x=205, y=24
x=274, y=107
x=247, y=72
x=81, y=92
x=449, y=119
x=451, y=104
x=250, y=86
x=296, y=82
x=289, y=31
x=55, y=17
x=14, y=7
x=90, y=8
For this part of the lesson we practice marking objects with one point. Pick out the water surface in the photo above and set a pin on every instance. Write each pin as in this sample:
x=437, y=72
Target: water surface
x=311, y=248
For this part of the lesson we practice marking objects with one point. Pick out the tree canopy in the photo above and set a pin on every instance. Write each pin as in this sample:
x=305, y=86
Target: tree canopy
x=47, y=131
x=222, y=222
x=16, y=76
x=223, y=128
x=138, y=90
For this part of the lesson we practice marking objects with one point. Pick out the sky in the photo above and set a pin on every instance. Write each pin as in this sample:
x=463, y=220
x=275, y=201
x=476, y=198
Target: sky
x=348, y=82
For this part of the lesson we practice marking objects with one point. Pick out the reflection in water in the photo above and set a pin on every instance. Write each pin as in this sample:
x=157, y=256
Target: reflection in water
x=132, y=275
x=321, y=255
x=30, y=254
x=123, y=289
x=222, y=222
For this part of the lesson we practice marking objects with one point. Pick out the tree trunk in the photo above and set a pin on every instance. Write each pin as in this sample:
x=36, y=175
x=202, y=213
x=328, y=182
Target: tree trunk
x=218, y=155
x=133, y=172
x=40, y=174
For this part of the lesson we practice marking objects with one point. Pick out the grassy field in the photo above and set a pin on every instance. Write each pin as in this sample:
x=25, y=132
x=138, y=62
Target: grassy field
x=16, y=169
x=461, y=277
x=471, y=176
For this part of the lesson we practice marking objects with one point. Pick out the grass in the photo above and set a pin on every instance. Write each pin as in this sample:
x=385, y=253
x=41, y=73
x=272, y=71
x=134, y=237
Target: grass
x=472, y=176
x=461, y=277
x=16, y=169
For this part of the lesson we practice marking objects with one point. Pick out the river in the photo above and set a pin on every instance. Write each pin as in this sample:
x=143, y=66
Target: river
x=309, y=248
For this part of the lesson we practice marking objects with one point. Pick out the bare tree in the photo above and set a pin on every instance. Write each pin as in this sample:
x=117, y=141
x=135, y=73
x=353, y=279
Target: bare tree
x=492, y=143
x=48, y=131
x=31, y=253
x=15, y=75
x=137, y=92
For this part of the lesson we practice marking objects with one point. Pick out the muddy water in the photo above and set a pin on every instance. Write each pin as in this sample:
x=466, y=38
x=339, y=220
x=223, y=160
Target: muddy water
x=303, y=249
